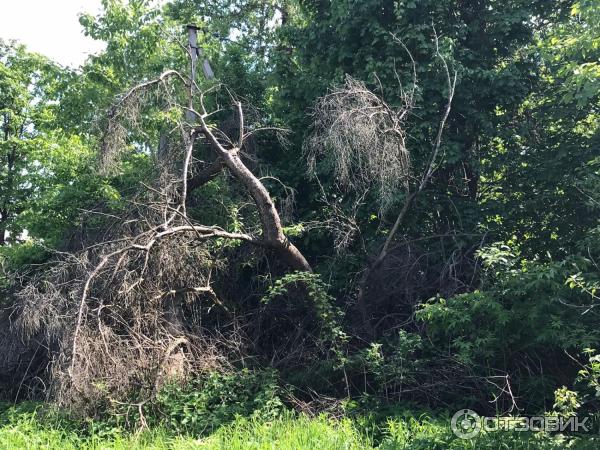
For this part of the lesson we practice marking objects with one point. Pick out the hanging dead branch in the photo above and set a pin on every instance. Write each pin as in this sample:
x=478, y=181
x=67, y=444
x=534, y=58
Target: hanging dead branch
x=365, y=140
x=124, y=317
x=363, y=137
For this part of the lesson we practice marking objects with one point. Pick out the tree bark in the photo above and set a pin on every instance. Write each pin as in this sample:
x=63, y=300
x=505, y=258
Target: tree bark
x=3, y=220
x=271, y=223
x=273, y=235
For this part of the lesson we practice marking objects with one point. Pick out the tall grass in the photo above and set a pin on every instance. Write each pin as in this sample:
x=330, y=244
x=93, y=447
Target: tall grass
x=30, y=427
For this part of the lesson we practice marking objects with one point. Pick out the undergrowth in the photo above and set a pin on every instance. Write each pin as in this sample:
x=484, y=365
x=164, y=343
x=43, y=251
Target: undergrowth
x=36, y=426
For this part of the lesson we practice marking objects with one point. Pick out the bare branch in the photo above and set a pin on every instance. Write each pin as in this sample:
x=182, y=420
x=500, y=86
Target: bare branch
x=363, y=137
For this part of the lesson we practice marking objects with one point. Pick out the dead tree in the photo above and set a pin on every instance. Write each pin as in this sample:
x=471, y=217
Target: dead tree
x=114, y=310
x=366, y=139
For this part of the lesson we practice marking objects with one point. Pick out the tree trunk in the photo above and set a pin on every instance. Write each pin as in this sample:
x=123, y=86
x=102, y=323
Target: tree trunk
x=271, y=223
x=3, y=219
x=273, y=236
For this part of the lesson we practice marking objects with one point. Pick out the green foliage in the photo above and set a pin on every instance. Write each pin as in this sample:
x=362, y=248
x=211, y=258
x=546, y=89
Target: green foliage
x=584, y=398
x=28, y=100
x=520, y=168
x=16, y=257
x=524, y=311
x=34, y=426
x=329, y=316
x=391, y=366
x=325, y=41
x=497, y=257
x=30, y=428
x=566, y=402
x=203, y=405
x=589, y=376
x=543, y=155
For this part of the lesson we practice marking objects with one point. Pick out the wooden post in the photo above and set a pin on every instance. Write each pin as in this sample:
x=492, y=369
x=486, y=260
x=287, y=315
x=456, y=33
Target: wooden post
x=193, y=49
x=195, y=53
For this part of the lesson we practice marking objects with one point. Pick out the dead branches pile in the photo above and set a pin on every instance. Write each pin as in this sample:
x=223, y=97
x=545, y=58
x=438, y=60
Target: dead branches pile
x=123, y=317
x=126, y=314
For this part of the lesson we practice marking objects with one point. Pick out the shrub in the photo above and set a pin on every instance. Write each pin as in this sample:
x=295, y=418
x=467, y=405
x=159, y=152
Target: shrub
x=204, y=404
x=526, y=322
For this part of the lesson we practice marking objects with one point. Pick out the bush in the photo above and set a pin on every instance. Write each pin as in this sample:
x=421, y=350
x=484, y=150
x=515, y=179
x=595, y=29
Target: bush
x=204, y=404
x=525, y=321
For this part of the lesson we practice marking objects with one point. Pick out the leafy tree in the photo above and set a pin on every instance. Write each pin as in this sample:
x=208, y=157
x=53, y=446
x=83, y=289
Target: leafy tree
x=538, y=177
x=487, y=43
x=27, y=91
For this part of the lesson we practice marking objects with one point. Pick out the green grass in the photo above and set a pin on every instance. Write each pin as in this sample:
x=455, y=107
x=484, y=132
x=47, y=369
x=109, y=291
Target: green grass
x=29, y=427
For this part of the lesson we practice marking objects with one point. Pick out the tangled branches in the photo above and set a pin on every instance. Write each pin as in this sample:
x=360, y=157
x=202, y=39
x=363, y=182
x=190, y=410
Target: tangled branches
x=127, y=313
x=363, y=137
x=125, y=115
x=365, y=140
